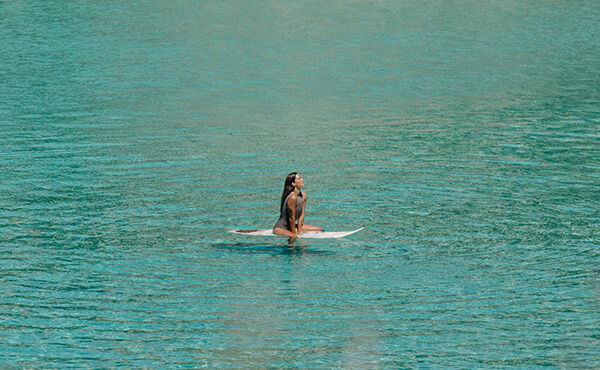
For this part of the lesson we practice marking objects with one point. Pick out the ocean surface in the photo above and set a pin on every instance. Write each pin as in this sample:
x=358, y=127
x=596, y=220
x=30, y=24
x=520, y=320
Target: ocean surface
x=464, y=137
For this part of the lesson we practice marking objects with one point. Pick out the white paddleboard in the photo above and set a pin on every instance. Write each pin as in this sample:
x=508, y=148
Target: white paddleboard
x=307, y=234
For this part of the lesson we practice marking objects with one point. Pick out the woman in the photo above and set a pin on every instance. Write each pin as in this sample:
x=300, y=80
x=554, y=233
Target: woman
x=293, y=204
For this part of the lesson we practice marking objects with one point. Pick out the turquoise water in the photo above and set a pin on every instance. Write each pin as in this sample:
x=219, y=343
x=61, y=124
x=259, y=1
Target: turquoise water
x=465, y=137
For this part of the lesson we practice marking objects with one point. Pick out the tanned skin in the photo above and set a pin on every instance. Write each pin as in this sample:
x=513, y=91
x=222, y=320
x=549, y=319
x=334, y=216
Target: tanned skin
x=301, y=227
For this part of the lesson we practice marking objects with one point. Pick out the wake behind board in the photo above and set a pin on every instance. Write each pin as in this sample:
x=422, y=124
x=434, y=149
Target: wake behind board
x=307, y=234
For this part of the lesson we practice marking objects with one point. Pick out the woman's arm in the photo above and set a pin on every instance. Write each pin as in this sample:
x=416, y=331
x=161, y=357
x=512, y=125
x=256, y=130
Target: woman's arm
x=292, y=208
x=301, y=219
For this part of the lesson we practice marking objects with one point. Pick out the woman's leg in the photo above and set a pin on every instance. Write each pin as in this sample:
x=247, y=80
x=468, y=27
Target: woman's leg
x=307, y=227
x=283, y=232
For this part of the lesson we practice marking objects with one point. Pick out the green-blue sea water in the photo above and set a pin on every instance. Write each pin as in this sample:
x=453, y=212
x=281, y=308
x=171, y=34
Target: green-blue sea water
x=464, y=137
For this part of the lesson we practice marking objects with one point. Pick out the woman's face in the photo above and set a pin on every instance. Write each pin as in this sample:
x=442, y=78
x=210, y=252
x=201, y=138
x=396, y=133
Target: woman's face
x=298, y=182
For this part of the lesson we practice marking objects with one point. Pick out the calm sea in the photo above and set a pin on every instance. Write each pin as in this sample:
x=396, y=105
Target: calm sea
x=464, y=137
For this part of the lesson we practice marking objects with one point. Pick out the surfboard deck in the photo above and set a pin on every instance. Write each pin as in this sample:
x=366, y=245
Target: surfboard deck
x=305, y=235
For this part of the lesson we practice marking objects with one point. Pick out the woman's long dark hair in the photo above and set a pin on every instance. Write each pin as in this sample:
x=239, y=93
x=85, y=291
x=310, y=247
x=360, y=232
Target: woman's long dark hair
x=288, y=187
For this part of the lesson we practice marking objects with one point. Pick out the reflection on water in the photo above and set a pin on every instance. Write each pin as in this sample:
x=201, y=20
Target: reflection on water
x=252, y=248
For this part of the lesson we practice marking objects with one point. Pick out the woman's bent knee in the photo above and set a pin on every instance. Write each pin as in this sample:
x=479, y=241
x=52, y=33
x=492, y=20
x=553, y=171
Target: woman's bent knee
x=283, y=232
x=311, y=228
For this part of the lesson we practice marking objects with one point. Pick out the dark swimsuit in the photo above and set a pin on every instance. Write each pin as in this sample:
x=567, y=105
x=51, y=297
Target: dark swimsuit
x=285, y=212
